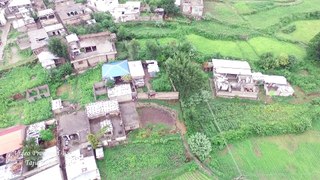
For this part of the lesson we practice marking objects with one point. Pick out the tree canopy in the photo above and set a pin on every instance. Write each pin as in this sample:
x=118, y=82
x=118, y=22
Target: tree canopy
x=32, y=152
x=58, y=48
x=314, y=48
x=200, y=145
x=186, y=75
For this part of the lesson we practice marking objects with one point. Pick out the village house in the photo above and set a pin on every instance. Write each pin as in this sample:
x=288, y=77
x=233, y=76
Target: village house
x=38, y=40
x=121, y=93
x=192, y=8
x=89, y=50
x=81, y=164
x=19, y=9
x=72, y=13
x=277, y=86
x=47, y=59
x=115, y=70
x=137, y=73
x=130, y=11
x=55, y=30
x=103, y=5
x=234, y=79
x=3, y=3
x=106, y=114
x=47, y=17
x=11, y=156
x=152, y=67
x=24, y=24
x=3, y=20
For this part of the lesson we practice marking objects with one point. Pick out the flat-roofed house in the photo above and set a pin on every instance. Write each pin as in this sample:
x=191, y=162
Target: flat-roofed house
x=47, y=17
x=72, y=13
x=137, y=73
x=55, y=30
x=103, y=5
x=233, y=79
x=38, y=39
x=120, y=93
x=192, y=7
x=19, y=7
x=11, y=139
x=277, y=86
x=130, y=11
x=89, y=50
x=47, y=59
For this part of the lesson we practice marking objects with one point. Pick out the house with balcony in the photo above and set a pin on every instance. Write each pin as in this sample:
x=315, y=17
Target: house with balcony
x=72, y=13
x=47, y=17
x=192, y=8
x=89, y=50
x=19, y=9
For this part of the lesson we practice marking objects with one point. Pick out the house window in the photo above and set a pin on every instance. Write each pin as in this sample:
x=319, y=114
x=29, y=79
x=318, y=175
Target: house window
x=94, y=48
x=68, y=14
x=75, y=12
x=80, y=62
x=88, y=49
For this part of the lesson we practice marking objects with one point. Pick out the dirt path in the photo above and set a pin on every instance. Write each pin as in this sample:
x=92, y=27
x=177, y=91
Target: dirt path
x=4, y=36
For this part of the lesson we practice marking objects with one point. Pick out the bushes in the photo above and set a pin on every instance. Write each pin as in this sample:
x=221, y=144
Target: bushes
x=314, y=48
x=289, y=29
x=161, y=83
x=46, y=135
x=200, y=145
x=269, y=62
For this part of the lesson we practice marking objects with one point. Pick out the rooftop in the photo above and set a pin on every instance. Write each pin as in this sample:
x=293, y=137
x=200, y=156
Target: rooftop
x=231, y=67
x=72, y=38
x=271, y=79
x=45, y=12
x=38, y=38
x=152, y=66
x=115, y=69
x=49, y=157
x=53, y=27
x=119, y=90
x=56, y=104
x=50, y=172
x=101, y=108
x=11, y=138
x=80, y=167
x=136, y=69
x=19, y=3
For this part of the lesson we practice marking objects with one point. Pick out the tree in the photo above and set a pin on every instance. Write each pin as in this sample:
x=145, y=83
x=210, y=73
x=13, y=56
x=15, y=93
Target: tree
x=32, y=152
x=168, y=5
x=267, y=61
x=93, y=140
x=153, y=50
x=123, y=34
x=46, y=135
x=200, y=146
x=314, y=48
x=57, y=47
x=133, y=49
x=186, y=75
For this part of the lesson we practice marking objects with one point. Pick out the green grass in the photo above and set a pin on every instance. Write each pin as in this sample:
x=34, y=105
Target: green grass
x=18, y=80
x=263, y=45
x=192, y=175
x=161, y=41
x=149, y=31
x=305, y=31
x=281, y=157
x=243, y=50
x=149, y=153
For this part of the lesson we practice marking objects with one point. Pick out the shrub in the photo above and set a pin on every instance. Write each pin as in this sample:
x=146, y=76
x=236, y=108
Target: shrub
x=161, y=83
x=289, y=29
x=110, y=83
x=46, y=135
x=200, y=145
x=32, y=152
x=314, y=48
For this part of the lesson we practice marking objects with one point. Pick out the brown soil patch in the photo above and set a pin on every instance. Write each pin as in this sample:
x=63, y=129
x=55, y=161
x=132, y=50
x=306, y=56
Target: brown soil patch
x=225, y=150
x=181, y=127
x=152, y=115
x=256, y=149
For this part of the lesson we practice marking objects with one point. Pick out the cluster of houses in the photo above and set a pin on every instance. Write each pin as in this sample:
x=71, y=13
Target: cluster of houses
x=235, y=79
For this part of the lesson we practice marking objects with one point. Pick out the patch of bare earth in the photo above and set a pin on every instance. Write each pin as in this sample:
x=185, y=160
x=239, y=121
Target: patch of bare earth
x=256, y=149
x=65, y=88
x=181, y=127
x=152, y=115
x=225, y=150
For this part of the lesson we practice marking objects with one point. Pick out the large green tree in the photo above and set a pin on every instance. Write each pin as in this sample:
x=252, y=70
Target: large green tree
x=32, y=152
x=186, y=75
x=200, y=145
x=314, y=48
x=133, y=49
x=168, y=5
x=57, y=47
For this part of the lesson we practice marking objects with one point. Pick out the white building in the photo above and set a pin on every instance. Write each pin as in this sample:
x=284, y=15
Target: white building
x=81, y=166
x=120, y=93
x=277, y=86
x=129, y=11
x=136, y=72
x=47, y=59
x=153, y=68
x=3, y=19
x=192, y=7
x=55, y=30
x=103, y=5
x=102, y=108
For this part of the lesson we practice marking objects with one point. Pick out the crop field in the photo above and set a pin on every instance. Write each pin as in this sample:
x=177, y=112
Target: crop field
x=150, y=153
x=19, y=80
x=305, y=31
x=280, y=157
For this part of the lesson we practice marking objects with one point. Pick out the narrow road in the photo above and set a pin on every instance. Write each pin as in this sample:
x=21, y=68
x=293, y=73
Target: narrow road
x=5, y=31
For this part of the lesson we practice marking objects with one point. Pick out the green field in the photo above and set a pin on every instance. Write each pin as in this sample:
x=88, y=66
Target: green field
x=281, y=157
x=305, y=31
x=150, y=153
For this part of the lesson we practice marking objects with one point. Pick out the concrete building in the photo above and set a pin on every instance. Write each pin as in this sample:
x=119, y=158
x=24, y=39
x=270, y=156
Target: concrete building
x=89, y=50
x=47, y=59
x=55, y=30
x=130, y=11
x=192, y=8
x=137, y=73
x=103, y=5
x=72, y=13
x=3, y=19
x=47, y=17
x=120, y=93
x=277, y=86
x=19, y=9
x=39, y=40
x=234, y=79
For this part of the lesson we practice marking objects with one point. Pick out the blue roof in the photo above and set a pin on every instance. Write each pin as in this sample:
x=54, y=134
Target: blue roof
x=114, y=69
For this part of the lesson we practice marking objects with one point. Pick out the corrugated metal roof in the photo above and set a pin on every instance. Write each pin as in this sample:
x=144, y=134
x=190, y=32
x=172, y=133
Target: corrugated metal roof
x=115, y=69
